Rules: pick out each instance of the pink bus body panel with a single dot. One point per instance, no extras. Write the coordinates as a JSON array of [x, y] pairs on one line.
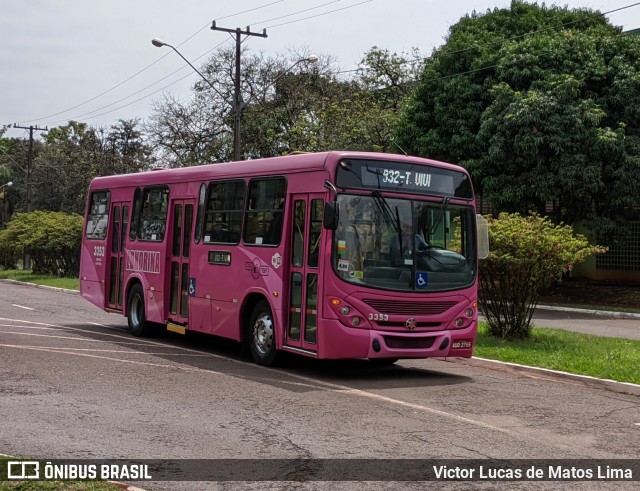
[[217, 304]]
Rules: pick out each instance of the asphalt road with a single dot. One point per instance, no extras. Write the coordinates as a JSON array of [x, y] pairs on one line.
[[75, 384]]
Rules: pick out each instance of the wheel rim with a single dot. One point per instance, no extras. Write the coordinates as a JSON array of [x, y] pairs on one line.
[[137, 310], [263, 333]]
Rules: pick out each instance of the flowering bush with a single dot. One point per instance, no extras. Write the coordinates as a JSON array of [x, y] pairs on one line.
[[527, 255]]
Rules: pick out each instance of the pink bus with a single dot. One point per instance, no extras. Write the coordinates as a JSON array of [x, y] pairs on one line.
[[328, 255]]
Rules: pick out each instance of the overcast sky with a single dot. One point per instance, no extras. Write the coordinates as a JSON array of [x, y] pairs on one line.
[[92, 60]]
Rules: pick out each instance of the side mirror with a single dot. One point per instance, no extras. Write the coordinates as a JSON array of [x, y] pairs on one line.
[[331, 215], [483, 236]]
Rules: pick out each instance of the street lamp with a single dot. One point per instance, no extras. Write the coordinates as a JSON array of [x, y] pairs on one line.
[[238, 105], [159, 43], [313, 59]]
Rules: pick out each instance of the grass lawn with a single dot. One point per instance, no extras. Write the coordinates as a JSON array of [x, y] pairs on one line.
[[556, 349], [20, 275]]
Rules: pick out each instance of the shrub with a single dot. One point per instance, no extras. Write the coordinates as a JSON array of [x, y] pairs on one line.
[[527, 255], [52, 239], [8, 254]]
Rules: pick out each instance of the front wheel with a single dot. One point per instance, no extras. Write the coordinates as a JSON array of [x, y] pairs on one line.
[[136, 316], [262, 334]]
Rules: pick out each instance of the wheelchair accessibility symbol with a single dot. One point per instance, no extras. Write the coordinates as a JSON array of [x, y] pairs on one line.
[[422, 279], [192, 287]]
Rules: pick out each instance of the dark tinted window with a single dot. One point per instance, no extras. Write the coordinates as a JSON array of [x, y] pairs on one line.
[[265, 208], [223, 220]]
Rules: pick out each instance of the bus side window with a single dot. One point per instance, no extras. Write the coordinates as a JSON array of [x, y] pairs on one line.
[[153, 219], [265, 211], [223, 220], [134, 225], [200, 216], [98, 216]]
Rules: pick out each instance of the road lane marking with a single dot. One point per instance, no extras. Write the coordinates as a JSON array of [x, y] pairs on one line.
[[29, 327], [88, 340], [21, 306], [29, 322], [159, 365], [327, 385], [340, 389]]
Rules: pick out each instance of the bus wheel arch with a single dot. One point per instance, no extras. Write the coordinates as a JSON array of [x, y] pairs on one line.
[[259, 330]]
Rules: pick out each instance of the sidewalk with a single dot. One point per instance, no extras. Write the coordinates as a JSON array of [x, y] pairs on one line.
[[597, 322]]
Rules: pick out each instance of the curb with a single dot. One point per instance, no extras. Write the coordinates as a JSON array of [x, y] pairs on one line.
[[548, 374], [603, 313], [45, 287]]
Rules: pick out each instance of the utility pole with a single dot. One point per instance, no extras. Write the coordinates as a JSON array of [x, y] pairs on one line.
[[29, 158], [26, 262], [237, 96]]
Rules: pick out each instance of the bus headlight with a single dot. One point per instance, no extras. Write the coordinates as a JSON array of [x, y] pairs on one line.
[[345, 310], [355, 321]]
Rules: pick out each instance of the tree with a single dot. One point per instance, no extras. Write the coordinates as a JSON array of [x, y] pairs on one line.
[[527, 255], [73, 154], [541, 105], [287, 106]]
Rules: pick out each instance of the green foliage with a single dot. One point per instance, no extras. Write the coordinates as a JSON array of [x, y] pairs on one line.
[[9, 254], [51, 238], [288, 106], [527, 255], [573, 352], [75, 153], [541, 104]]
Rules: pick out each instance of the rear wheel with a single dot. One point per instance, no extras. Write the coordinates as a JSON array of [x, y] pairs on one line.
[[136, 315], [262, 335]]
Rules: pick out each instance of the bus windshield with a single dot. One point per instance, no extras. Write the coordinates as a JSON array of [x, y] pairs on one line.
[[404, 244]]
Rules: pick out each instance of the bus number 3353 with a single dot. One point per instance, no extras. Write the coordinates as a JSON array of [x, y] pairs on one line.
[[378, 317]]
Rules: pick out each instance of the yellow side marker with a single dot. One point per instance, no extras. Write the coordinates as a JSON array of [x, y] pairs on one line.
[[176, 328]]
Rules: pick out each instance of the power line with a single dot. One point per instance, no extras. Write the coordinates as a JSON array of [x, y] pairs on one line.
[[141, 90], [296, 13], [319, 15], [162, 57], [278, 25], [149, 65]]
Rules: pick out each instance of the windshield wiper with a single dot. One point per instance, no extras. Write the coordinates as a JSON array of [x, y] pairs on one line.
[[443, 208], [387, 212], [389, 217]]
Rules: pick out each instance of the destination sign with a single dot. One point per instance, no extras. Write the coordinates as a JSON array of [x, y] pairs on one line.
[[220, 257], [403, 177]]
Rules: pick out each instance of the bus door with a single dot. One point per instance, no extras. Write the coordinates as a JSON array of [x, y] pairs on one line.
[[115, 264], [306, 236], [181, 225]]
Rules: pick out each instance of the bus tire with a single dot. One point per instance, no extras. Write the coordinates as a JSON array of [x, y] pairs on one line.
[[262, 334], [136, 315]]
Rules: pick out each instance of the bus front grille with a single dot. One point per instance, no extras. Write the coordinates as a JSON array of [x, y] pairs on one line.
[[398, 342], [394, 307]]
